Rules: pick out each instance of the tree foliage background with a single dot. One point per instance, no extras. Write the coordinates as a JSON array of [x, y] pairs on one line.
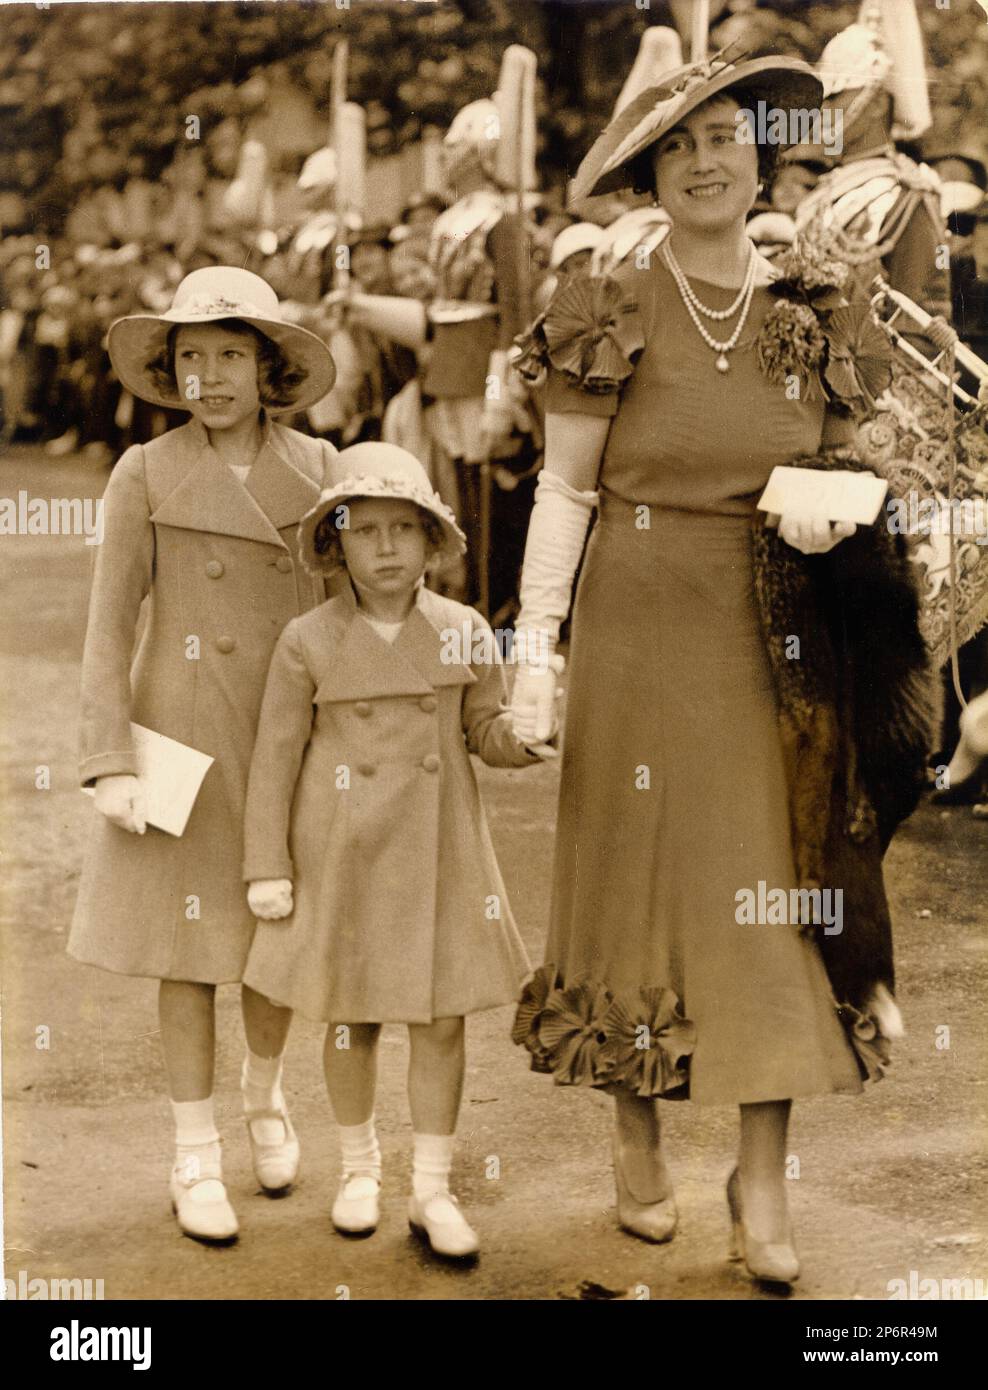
[[97, 94]]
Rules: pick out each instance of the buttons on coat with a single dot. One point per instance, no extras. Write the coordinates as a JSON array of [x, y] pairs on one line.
[[431, 762], [225, 644], [428, 704], [214, 569], [362, 708], [283, 564], [366, 769]]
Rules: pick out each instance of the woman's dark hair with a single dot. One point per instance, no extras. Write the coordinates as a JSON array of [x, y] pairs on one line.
[[643, 175], [278, 379], [326, 537]]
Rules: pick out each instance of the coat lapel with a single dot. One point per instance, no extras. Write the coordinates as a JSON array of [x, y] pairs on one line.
[[283, 494], [210, 497], [366, 666]]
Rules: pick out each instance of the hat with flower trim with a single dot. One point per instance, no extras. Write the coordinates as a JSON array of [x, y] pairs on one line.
[[786, 83], [210, 295], [374, 470]]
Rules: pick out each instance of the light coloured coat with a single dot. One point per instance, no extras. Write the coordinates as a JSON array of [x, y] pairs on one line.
[[362, 792], [214, 563]]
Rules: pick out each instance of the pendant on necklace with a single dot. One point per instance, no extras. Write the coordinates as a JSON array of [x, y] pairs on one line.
[[722, 363]]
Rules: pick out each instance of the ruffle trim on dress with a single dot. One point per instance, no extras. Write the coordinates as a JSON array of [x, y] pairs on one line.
[[590, 331], [582, 1034]]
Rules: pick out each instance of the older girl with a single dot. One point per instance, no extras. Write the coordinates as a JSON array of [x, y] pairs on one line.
[[199, 533]]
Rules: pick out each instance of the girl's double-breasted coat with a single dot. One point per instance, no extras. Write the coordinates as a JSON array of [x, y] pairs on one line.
[[215, 563], [362, 792]]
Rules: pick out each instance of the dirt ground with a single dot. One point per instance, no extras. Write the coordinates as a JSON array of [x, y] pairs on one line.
[[891, 1182]]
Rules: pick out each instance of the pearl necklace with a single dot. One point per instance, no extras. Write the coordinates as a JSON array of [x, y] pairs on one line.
[[695, 307]]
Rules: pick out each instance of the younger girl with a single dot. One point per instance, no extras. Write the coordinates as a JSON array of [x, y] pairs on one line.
[[363, 803], [201, 523]]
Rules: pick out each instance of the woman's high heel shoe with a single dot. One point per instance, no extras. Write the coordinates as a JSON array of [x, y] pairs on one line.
[[773, 1263], [654, 1221]]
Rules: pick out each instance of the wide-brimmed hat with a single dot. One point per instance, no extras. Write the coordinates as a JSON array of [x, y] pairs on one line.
[[210, 295], [787, 83], [374, 470]]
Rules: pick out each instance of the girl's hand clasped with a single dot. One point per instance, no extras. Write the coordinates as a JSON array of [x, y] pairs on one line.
[[270, 899], [121, 799]]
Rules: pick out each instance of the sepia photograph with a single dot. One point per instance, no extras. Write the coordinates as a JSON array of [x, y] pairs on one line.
[[494, 703]]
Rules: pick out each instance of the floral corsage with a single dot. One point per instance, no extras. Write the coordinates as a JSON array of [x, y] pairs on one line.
[[812, 333], [590, 332]]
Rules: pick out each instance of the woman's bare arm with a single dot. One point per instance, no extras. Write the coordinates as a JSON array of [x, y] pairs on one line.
[[574, 447]]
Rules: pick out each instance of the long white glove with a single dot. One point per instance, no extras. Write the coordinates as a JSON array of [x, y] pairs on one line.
[[556, 533]]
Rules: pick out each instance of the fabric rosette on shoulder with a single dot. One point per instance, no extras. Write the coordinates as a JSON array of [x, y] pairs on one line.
[[590, 331], [583, 1034]]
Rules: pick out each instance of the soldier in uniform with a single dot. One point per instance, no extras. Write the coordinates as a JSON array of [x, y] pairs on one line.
[[879, 210], [474, 413]]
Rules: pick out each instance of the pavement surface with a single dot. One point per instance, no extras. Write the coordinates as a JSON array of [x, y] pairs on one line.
[[891, 1182]]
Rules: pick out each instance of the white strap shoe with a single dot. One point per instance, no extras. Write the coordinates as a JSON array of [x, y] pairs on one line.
[[439, 1221], [275, 1159], [356, 1210], [200, 1203]]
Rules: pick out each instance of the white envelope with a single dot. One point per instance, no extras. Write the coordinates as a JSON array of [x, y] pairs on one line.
[[171, 774], [812, 492]]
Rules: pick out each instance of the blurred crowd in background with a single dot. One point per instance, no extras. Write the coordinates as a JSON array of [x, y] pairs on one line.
[[130, 139]]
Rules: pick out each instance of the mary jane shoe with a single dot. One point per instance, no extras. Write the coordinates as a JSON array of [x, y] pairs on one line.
[[356, 1210], [275, 1162], [200, 1203], [439, 1221]]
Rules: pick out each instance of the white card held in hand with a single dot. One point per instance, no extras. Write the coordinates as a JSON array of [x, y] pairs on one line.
[[816, 493], [171, 774]]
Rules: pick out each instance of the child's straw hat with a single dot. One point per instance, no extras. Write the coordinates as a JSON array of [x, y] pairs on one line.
[[375, 470], [210, 295]]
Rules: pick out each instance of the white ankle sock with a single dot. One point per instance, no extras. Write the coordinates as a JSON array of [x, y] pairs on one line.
[[432, 1158], [360, 1150], [197, 1147], [195, 1123], [260, 1082]]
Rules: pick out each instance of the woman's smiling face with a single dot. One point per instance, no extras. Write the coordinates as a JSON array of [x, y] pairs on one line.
[[222, 364], [705, 178]]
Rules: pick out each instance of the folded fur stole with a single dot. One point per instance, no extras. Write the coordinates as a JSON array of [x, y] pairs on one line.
[[858, 714]]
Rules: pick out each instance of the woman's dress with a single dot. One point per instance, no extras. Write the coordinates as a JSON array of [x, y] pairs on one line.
[[673, 797]]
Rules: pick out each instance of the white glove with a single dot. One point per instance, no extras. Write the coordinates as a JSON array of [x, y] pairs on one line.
[[812, 535], [534, 697], [121, 799], [556, 533], [270, 898]]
